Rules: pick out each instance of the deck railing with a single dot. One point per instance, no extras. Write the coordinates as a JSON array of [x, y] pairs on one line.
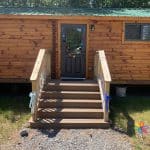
[[103, 77], [42, 68]]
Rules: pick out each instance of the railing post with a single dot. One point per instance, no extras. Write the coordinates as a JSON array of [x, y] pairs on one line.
[[107, 95], [35, 89], [101, 72], [41, 70]]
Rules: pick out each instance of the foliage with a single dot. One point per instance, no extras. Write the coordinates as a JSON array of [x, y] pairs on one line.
[[77, 3]]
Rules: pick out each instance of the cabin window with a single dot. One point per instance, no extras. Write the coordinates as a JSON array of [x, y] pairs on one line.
[[137, 32]]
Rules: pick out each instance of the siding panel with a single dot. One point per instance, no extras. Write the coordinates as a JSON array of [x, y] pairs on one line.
[[20, 41], [128, 61]]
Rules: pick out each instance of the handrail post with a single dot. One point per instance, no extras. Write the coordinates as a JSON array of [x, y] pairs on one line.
[[101, 72], [34, 89], [107, 92], [42, 68]]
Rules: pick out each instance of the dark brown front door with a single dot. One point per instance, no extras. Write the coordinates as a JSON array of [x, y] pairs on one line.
[[73, 51]]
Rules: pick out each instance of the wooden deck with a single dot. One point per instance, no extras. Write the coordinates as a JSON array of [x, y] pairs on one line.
[[60, 100]]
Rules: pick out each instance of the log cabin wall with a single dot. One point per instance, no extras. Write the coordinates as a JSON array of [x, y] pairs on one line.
[[128, 61], [20, 41]]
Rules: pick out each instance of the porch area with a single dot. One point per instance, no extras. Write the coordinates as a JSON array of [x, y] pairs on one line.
[[69, 104]]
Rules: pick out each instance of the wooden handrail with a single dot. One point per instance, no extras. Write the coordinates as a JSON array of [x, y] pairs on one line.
[[38, 64], [40, 71], [102, 74], [104, 65]]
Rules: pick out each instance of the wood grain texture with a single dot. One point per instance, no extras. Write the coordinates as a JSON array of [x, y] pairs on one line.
[[21, 37], [20, 42], [128, 61]]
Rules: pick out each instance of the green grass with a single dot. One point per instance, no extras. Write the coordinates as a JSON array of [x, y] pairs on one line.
[[126, 112], [14, 112]]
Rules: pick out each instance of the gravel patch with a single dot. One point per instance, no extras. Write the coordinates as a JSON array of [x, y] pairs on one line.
[[72, 139]]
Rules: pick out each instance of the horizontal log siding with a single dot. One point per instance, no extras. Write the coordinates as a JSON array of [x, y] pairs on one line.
[[20, 41], [127, 60]]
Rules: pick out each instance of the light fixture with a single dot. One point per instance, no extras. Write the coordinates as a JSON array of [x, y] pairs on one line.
[[92, 27]]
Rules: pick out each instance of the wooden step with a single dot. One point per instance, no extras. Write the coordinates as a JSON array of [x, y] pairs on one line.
[[69, 103], [70, 95], [61, 82], [72, 86], [69, 123], [69, 113]]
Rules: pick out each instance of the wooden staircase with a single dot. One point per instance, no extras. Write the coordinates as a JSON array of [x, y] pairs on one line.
[[70, 104]]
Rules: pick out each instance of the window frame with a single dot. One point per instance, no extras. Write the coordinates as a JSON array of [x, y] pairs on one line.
[[125, 40]]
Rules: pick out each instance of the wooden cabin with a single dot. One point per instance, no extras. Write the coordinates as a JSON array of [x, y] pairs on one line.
[[37, 44]]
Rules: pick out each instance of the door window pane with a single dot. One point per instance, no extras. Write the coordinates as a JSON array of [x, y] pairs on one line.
[[73, 40]]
